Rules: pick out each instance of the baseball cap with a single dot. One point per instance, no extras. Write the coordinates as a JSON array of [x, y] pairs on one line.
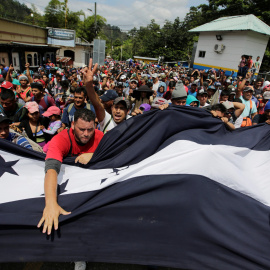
[[246, 89], [3, 118], [31, 106], [266, 95], [228, 105], [159, 101], [267, 106], [7, 85], [51, 111], [109, 95], [145, 107], [123, 77], [212, 87], [232, 91], [202, 91], [123, 100]]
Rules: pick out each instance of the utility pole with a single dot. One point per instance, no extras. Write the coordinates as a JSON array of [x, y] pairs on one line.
[[95, 17], [66, 1]]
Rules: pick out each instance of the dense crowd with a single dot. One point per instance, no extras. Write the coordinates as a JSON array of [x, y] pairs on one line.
[[41, 104], [65, 111]]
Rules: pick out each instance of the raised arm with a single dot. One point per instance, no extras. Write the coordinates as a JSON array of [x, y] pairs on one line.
[[11, 69], [88, 73], [30, 79], [239, 108], [242, 85]]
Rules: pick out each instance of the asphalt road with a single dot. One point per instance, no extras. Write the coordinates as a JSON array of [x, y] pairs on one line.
[[70, 266]]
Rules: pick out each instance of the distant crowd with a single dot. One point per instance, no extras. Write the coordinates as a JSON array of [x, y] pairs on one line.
[[40, 104], [66, 112]]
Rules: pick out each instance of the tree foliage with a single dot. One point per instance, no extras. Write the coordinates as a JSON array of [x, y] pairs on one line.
[[14, 10]]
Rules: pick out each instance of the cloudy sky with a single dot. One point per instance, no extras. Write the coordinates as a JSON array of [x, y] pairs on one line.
[[127, 14]]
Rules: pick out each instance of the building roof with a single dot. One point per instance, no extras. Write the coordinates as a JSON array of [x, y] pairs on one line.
[[235, 23], [145, 58]]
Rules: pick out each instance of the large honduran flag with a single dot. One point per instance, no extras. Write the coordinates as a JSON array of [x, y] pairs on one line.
[[171, 188]]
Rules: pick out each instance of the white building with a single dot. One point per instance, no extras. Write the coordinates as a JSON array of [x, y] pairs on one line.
[[222, 42], [80, 54]]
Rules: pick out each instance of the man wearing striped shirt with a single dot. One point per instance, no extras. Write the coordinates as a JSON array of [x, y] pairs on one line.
[[10, 136]]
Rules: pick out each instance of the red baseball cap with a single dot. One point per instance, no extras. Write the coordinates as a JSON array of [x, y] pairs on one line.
[[42, 82], [7, 85], [51, 111]]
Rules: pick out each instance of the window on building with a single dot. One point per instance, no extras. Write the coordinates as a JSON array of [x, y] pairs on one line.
[[35, 60], [29, 59], [14, 61], [202, 54]]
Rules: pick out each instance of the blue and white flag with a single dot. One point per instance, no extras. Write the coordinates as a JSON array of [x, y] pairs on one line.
[[170, 188]]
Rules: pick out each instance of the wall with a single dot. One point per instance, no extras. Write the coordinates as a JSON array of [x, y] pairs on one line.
[[20, 32], [236, 44], [81, 54]]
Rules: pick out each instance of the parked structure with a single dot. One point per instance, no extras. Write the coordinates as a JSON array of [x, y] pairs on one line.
[[222, 42]]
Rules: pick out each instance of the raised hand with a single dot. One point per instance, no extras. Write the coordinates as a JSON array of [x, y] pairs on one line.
[[88, 72]]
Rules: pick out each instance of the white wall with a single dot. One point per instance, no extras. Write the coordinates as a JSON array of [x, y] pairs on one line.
[[237, 43], [80, 52]]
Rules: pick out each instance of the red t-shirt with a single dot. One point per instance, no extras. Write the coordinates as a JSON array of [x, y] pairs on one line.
[[60, 145], [43, 103]]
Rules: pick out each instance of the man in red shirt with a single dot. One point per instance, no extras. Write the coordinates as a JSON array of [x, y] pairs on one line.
[[80, 140], [43, 100]]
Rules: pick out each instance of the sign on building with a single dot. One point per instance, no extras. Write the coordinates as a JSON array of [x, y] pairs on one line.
[[61, 37], [99, 51]]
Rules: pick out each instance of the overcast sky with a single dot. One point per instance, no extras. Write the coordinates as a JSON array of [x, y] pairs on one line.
[[131, 13]]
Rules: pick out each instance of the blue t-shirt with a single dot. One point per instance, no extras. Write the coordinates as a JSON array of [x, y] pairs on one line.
[[247, 111], [67, 118], [192, 94]]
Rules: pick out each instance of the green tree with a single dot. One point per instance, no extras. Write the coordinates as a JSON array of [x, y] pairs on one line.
[[87, 29], [54, 14], [14, 10]]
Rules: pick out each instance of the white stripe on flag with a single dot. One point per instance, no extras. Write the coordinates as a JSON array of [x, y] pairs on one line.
[[241, 169]]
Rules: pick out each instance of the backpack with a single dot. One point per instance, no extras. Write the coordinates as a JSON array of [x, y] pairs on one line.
[[72, 104], [247, 122]]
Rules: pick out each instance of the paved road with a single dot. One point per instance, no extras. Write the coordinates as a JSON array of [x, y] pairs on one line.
[[70, 266]]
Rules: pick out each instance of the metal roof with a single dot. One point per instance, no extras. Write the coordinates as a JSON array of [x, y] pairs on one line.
[[235, 23]]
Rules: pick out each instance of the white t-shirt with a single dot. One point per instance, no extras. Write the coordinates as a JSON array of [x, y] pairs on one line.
[[108, 123], [155, 86]]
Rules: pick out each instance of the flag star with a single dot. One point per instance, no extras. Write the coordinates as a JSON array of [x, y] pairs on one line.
[[103, 180], [7, 166], [62, 188], [116, 171]]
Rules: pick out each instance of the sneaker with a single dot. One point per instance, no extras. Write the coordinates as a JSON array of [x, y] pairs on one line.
[[80, 266]]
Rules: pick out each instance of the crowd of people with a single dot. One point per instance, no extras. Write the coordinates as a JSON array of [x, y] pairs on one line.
[[66, 112]]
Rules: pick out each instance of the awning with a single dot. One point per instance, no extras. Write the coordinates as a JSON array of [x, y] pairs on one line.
[[62, 59], [29, 44]]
